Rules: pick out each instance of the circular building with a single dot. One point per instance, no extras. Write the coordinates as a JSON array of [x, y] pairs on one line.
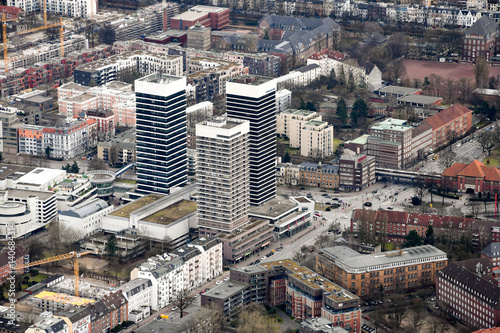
[[103, 181]]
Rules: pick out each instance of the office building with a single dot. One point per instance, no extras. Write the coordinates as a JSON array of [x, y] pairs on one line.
[[253, 98], [222, 174], [161, 133], [357, 171]]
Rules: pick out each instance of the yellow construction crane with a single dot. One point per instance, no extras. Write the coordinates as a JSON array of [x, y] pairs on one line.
[[71, 255], [45, 26]]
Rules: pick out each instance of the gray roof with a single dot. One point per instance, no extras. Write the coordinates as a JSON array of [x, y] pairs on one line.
[[225, 290], [306, 68], [86, 208], [422, 99], [355, 260], [133, 287], [483, 27], [398, 90], [492, 250], [329, 168]]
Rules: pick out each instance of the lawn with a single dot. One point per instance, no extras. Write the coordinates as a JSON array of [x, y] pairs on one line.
[[437, 204], [127, 181], [38, 277], [494, 158], [336, 143]]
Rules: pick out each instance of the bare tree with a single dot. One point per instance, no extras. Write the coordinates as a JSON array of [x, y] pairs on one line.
[[447, 158], [488, 141], [97, 164], [113, 154], [418, 316], [398, 313], [182, 301], [481, 72], [253, 320]]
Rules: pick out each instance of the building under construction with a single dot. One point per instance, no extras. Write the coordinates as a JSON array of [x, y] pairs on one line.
[[146, 21]]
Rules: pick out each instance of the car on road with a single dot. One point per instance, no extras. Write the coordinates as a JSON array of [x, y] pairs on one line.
[[367, 318], [325, 194], [329, 233], [324, 218], [270, 254], [344, 217], [335, 198], [317, 214], [389, 207], [368, 204], [226, 279], [174, 308], [264, 257], [218, 282], [374, 191], [208, 289], [197, 295]]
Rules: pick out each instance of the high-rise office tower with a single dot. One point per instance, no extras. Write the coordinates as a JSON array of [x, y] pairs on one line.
[[253, 98], [222, 174], [161, 133]]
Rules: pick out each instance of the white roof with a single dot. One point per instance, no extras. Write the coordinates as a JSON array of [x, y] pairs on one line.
[[40, 176]]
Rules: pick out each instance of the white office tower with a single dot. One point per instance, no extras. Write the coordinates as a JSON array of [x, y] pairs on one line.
[[253, 98], [222, 174], [161, 133]]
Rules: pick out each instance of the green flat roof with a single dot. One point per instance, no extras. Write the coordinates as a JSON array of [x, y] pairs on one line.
[[172, 213], [135, 205]]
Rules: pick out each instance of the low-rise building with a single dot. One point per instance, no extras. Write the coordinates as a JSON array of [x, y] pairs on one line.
[[449, 124], [138, 293], [391, 271], [86, 218], [475, 176], [119, 150], [319, 175]]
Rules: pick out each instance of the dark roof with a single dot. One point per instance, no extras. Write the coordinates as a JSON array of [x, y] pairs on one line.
[[483, 27], [492, 250], [459, 276], [17, 327], [306, 68], [79, 315], [375, 38]]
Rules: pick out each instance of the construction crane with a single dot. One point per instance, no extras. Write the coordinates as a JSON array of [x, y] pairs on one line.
[[5, 46], [71, 255], [44, 27]]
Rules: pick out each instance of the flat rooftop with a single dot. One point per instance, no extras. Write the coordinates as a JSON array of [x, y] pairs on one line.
[[15, 193], [189, 15], [421, 99], [126, 210], [392, 124], [12, 171], [304, 113], [172, 213], [274, 208], [254, 80], [160, 78], [64, 298], [40, 176], [399, 90], [226, 289], [315, 123]]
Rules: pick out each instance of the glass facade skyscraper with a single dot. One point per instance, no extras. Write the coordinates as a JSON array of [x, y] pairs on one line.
[[161, 133]]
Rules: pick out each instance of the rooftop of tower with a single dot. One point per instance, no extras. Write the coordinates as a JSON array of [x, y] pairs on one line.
[[160, 78], [254, 80]]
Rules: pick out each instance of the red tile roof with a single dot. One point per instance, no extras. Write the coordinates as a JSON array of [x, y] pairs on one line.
[[475, 169], [447, 115], [454, 170], [11, 10]]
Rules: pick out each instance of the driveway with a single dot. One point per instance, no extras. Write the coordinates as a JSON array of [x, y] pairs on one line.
[[287, 322]]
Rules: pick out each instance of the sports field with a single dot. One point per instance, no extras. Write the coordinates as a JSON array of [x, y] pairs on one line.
[[420, 69]]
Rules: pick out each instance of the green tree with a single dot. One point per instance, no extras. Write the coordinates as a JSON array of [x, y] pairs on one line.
[[482, 72], [354, 118], [74, 168], [266, 35], [429, 235], [287, 158], [342, 111], [111, 247], [413, 239], [67, 167], [360, 107], [1, 157], [302, 104], [48, 149], [310, 106]]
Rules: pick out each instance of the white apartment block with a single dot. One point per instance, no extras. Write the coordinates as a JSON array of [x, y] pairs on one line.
[[86, 218], [43, 52], [138, 293], [66, 141], [290, 123], [283, 100], [316, 139], [69, 8], [199, 112], [187, 268]]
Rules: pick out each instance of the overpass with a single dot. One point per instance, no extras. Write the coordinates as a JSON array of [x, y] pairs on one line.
[[397, 174], [125, 168]]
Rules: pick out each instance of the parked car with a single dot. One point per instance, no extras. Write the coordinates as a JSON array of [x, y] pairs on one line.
[[174, 308], [218, 282], [226, 279], [389, 207], [344, 217], [264, 257], [368, 204]]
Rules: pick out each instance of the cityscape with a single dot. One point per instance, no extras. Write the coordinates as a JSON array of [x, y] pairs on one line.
[[319, 166]]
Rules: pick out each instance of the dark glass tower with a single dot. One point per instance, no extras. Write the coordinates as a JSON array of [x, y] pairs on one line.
[[253, 98], [161, 133]]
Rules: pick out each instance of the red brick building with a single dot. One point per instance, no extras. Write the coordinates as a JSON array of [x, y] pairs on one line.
[[108, 312], [214, 17], [474, 176], [468, 290], [454, 121], [479, 40], [11, 12], [393, 226]]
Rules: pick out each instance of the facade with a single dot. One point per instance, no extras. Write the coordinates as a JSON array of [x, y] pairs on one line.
[[108, 312], [480, 40], [393, 226], [214, 17], [319, 175], [364, 274], [356, 171], [391, 143], [161, 133], [198, 37], [492, 251], [253, 98], [475, 177], [105, 121], [222, 174], [138, 293], [450, 123], [20, 256], [81, 8], [8, 131], [119, 150], [85, 218], [198, 113], [316, 139], [290, 123], [283, 100], [468, 290]]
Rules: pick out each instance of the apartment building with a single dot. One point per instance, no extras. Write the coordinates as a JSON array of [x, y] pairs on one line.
[[316, 139], [20, 257], [119, 150], [216, 18], [108, 312], [319, 175], [393, 226], [70, 8], [290, 123], [186, 268], [452, 122], [480, 40], [492, 251], [469, 291], [356, 171], [364, 274], [124, 66], [198, 37], [8, 131], [283, 100], [66, 141], [105, 120]]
